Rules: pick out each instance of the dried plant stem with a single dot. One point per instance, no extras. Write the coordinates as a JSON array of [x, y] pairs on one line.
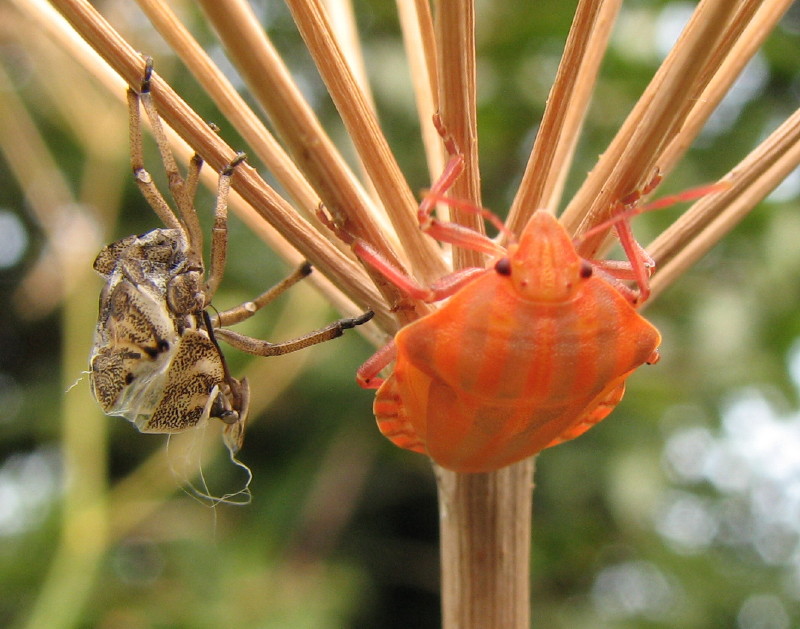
[[347, 275], [455, 42], [343, 25], [550, 159], [629, 162], [362, 125], [420, 46], [752, 25], [485, 547], [700, 228], [231, 104], [270, 82]]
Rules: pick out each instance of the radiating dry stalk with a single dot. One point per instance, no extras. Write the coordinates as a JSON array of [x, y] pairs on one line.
[[419, 39], [259, 139], [347, 276], [270, 82], [367, 137], [543, 181], [455, 42], [485, 518], [629, 163], [711, 218], [748, 30]]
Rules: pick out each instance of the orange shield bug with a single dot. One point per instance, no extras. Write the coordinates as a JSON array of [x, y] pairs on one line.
[[156, 360], [524, 354], [531, 352]]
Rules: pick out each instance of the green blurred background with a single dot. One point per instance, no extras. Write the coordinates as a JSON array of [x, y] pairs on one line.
[[681, 510]]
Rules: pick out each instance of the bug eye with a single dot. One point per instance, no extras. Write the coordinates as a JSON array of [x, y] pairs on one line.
[[503, 266], [586, 269], [129, 377]]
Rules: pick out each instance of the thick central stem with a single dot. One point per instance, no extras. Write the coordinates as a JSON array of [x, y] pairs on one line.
[[485, 530]]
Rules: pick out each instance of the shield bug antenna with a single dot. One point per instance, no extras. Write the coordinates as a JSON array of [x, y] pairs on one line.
[[156, 359]]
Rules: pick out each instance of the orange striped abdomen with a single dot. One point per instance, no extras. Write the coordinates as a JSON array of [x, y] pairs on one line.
[[490, 379]]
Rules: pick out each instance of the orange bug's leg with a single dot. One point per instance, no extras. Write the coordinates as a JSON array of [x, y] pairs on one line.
[[641, 262], [440, 289], [454, 233], [615, 272], [451, 172], [340, 232], [461, 236], [367, 374]]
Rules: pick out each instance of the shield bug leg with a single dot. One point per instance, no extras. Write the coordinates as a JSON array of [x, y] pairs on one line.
[[453, 233], [249, 308], [442, 288], [143, 179], [367, 374], [219, 233], [259, 347], [182, 194], [639, 266]]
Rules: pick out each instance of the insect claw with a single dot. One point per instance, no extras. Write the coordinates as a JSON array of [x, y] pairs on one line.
[[359, 320], [240, 157], [148, 74], [327, 219], [305, 269]]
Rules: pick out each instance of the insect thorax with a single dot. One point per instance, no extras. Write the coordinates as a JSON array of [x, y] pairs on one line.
[[154, 360]]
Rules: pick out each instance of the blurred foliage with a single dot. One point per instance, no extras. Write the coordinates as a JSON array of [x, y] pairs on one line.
[[681, 510]]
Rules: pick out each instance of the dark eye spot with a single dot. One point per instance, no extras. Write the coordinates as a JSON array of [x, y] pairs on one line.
[[163, 345], [129, 377], [152, 352], [586, 269], [503, 266]]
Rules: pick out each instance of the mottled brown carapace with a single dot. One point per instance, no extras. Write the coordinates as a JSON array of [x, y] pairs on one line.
[[156, 360]]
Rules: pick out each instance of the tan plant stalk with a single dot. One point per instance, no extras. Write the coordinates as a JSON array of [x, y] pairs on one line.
[[367, 137], [270, 82], [711, 218], [419, 40], [128, 63], [259, 139], [569, 98], [629, 163], [748, 30], [455, 41]]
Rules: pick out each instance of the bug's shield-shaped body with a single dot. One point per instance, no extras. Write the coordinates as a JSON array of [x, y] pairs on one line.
[[523, 357], [155, 361]]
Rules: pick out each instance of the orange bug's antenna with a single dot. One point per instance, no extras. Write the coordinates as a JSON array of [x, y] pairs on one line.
[[659, 204], [466, 206], [641, 265]]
